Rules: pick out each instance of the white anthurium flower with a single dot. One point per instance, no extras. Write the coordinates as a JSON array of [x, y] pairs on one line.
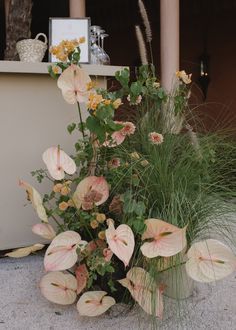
[[94, 303], [73, 83], [36, 200], [44, 230], [58, 163], [25, 251], [59, 288], [209, 261], [61, 253], [164, 239]]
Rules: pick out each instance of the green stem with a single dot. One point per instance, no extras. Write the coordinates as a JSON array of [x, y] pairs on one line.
[[81, 121]]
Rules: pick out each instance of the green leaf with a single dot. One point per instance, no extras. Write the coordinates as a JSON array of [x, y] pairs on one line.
[[136, 88], [71, 127], [76, 57], [123, 77], [94, 125], [140, 208]]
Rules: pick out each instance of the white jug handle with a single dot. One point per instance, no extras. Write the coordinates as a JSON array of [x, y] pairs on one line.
[[43, 35]]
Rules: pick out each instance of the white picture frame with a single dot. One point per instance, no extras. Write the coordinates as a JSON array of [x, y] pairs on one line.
[[67, 29]]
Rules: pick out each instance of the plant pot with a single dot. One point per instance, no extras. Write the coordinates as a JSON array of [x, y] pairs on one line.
[[32, 50], [178, 284]]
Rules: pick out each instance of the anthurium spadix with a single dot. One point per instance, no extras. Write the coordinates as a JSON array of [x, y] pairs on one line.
[[25, 251], [73, 83], [44, 230], [91, 191], [61, 253], [58, 162], [164, 239], [210, 260], [94, 303], [120, 241], [144, 291], [36, 200], [59, 288]]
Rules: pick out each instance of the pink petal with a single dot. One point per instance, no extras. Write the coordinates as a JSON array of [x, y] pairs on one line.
[[168, 240], [59, 288], [121, 242], [35, 199], [91, 183], [94, 303], [44, 230], [58, 162], [82, 275], [61, 253], [210, 260]]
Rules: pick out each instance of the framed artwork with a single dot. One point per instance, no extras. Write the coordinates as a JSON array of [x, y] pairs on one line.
[[68, 29]]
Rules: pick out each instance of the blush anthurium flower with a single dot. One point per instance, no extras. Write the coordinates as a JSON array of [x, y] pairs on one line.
[[36, 200], [91, 191], [61, 253], [164, 239], [25, 251], [144, 291], [82, 276], [94, 303], [210, 260], [59, 288], [58, 162], [73, 83], [120, 241], [44, 230]]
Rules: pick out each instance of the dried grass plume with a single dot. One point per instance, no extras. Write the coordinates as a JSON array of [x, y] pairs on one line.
[[146, 22], [141, 45]]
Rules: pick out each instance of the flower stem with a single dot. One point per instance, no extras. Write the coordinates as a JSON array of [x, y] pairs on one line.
[[81, 121]]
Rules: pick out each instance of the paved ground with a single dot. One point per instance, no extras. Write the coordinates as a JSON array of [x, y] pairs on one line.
[[22, 307]]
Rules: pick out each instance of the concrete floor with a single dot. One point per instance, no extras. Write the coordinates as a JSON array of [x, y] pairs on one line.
[[22, 307]]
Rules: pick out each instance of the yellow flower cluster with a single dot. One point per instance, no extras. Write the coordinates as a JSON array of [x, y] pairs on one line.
[[182, 75], [95, 99], [65, 47]]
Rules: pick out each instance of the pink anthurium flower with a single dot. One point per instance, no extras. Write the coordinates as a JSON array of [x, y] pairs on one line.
[[36, 200], [166, 239], [61, 253], [82, 276], [25, 251], [144, 291], [58, 162], [91, 191], [59, 288], [73, 83], [44, 230], [210, 260], [120, 241], [94, 303]]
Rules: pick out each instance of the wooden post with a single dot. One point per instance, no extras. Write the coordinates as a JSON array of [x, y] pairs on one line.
[[18, 25], [169, 10], [77, 8]]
